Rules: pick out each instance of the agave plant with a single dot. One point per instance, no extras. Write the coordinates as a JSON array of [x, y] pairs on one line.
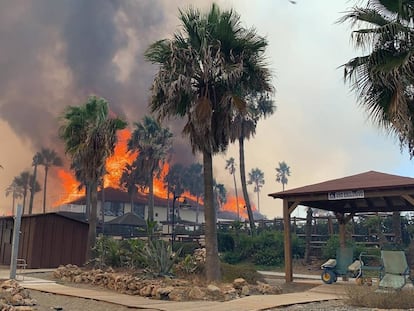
[[159, 257]]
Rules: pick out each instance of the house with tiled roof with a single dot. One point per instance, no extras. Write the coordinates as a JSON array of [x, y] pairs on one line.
[[118, 203]]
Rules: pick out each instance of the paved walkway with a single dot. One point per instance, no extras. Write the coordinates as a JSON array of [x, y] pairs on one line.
[[249, 303]]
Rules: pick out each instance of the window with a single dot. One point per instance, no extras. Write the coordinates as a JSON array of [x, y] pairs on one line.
[[114, 209], [139, 209]]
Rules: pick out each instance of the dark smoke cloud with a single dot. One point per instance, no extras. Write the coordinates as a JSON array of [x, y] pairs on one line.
[[56, 53]]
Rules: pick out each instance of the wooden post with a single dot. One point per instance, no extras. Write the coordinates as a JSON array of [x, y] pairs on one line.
[[288, 246], [330, 226], [15, 245]]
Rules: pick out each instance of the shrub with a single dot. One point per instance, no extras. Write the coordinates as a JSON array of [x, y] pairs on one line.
[[232, 257], [108, 253], [159, 257], [368, 297], [298, 247], [268, 257], [133, 249], [185, 248], [187, 266], [225, 242]]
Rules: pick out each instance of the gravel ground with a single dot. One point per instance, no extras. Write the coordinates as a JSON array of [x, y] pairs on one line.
[[47, 301]]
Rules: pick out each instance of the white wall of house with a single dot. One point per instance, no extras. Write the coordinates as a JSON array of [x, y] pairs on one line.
[[160, 212]]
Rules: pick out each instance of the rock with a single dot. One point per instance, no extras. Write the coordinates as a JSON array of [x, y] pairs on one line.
[[177, 294], [77, 279], [239, 283], [245, 290], [163, 292], [230, 294], [17, 300], [266, 289], [196, 293], [215, 292], [211, 288], [146, 291]]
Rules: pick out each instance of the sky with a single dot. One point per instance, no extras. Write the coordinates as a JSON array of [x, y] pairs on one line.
[[56, 53]]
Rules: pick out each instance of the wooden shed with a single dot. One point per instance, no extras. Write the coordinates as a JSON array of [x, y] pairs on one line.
[[46, 240]]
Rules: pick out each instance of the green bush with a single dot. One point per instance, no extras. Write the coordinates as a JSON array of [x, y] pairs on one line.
[[265, 248], [329, 250], [268, 257], [133, 249], [185, 248], [298, 247], [225, 242], [232, 257], [108, 253]]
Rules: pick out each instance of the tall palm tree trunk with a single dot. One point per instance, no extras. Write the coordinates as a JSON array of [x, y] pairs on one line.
[[258, 200], [13, 202], [24, 199], [237, 197], [244, 185], [103, 208], [93, 190], [212, 260], [44, 189], [151, 199], [32, 192], [197, 209]]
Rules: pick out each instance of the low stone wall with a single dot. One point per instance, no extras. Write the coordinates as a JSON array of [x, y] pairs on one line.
[[162, 288], [14, 297]]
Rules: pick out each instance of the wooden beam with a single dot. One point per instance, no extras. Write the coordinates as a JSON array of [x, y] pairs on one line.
[[293, 206], [408, 198], [287, 241], [367, 194]]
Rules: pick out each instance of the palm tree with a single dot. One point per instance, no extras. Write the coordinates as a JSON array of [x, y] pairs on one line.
[[48, 158], [175, 185], [244, 127], [153, 143], [129, 180], [256, 178], [193, 182], [383, 78], [204, 71], [220, 195], [35, 163], [23, 181], [231, 167], [90, 137], [282, 173], [16, 192]]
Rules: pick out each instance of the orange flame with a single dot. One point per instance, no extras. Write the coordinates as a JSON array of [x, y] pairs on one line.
[[116, 163], [231, 206], [114, 167]]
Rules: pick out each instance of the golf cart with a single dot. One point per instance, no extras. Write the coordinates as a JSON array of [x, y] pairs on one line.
[[342, 266]]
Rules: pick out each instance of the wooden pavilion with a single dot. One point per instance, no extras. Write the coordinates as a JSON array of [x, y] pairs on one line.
[[366, 192]]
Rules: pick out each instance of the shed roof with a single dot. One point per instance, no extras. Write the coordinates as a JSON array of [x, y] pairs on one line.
[[128, 219], [369, 191]]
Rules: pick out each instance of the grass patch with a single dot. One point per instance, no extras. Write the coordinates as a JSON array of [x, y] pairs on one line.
[[245, 271], [366, 296]]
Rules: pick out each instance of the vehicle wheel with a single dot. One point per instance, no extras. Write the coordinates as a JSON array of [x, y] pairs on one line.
[[328, 276]]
